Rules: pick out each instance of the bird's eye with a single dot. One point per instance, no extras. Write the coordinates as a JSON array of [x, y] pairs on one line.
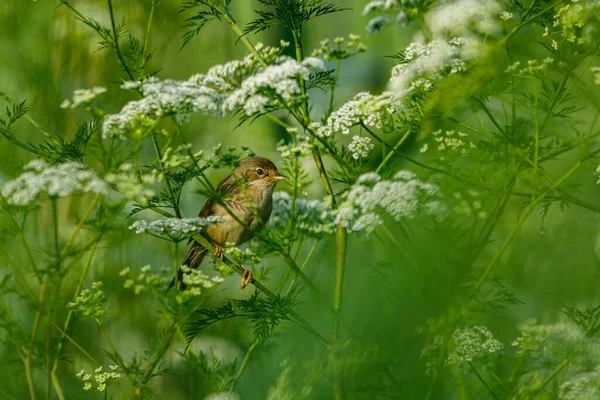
[[260, 171]]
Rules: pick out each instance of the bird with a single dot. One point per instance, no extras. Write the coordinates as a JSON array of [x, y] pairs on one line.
[[248, 194]]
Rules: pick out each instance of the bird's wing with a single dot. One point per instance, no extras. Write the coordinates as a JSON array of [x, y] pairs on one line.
[[226, 188]]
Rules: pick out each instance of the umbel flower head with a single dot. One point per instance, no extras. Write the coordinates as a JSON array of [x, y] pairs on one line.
[[83, 97], [371, 199], [312, 218], [373, 111], [241, 84], [176, 229], [102, 379], [57, 180], [90, 303]]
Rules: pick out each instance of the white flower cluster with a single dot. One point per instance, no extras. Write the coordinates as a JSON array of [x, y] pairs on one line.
[[223, 89], [598, 174], [145, 279], [240, 256], [372, 198], [57, 180], [360, 147], [373, 111], [506, 16], [176, 229], [101, 378], [534, 67], [131, 185], [579, 22], [467, 344], [377, 23], [312, 218], [424, 64], [449, 143], [179, 157], [196, 281], [379, 6], [340, 49], [279, 80], [470, 343], [464, 18], [585, 386], [83, 97], [90, 304], [549, 343], [302, 148]]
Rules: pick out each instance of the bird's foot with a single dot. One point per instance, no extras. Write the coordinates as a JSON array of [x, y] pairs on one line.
[[218, 254], [247, 277]]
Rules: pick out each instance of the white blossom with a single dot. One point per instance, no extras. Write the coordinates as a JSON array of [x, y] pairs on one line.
[[222, 90], [58, 180], [302, 148], [584, 386], [280, 79], [131, 185], [424, 64], [505, 16], [464, 18], [376, 24], [371, 110], [312, 218], [470, 343], [175, 228], [371, 199], [360, 147], [101, 378], [83, 97]]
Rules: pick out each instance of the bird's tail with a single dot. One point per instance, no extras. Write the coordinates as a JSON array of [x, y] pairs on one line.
[[192, 260]]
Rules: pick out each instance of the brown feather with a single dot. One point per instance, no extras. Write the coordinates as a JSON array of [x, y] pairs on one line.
[[258, 192]]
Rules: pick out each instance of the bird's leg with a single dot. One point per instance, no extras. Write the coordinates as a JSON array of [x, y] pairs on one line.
[[218, 254], [247, 277]]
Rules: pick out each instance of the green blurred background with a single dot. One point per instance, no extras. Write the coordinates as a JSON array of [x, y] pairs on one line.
[[45, 54]]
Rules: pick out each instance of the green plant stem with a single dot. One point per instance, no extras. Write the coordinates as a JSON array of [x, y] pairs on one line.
[[167, 180], [148, 26], [523, 218], [238, 269], [310, 253], [57, 387], [335, 80], [36, 322], [236, 28], [244, 363], [528, 20], [553, 375], [393, 151], [116, 39], [162, 349], [483, 381], [339, 281]]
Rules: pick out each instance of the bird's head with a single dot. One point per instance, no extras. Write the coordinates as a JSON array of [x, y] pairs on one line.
[[258, 171]]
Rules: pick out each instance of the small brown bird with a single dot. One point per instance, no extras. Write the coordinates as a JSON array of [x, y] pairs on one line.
[[248, 194]]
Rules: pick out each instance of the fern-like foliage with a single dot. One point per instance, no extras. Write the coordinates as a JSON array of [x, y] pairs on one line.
[[587, 320], [205, 11], [291, 14], [264, 314], [58, 149]]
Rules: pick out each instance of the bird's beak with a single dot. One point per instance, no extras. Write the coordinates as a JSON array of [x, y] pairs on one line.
[[278, 177]]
